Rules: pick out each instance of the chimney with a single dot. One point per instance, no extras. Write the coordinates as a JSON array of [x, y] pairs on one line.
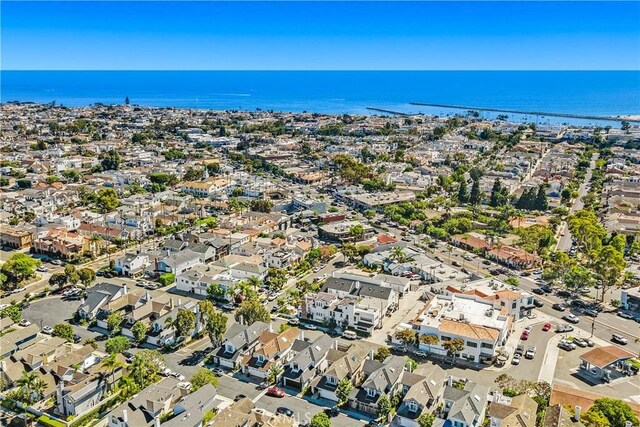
[[450, 381], [179, 302], [156, 421], [3, 365], [496, 396], [125, 417], [370, 354], [301, 334], [628, 424], [171, 303], [578, 410]]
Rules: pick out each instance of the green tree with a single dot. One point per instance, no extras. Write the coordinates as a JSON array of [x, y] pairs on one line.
[[193, 174], [475, 198], [71, 274], [13, 312], [276, 278], [541, 202], [185, 322], [64, 331], [112, 363], [111, 160], [144, 367], [426, 420], [215, 291], [356, 231], [381, 354], [118, 344], [139, 330], [274, 373], [215, 323], [407, 336], [616, 411], [608, 264], [202, 377], [384, 407], [113, 322], [87, 276], [251, 311], [429, 340], [107, 200], [499, 194], [343, 390], [463, 195], [19, 267], [513, 281], [578, 277], [594, 419], [398, 254], [166, 279], [320, 420], [58, 279]]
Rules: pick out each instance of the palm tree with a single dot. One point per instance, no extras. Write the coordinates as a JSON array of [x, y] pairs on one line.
[[26, 384], [255, 283], [93, 242], [274, 373], [127, 387], [169, 322], [112, 363], [397, 254], [37, 387]]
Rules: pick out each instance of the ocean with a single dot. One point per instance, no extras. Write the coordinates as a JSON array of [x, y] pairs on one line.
[[604, 93]]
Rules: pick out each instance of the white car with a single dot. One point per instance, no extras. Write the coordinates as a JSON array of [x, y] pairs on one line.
[[24, 322], [625, 315], [516, 359], [3, 306], [42, 269], [47, 330], [18, 290], [528, 329]]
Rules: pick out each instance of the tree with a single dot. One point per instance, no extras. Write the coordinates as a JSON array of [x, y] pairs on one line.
[[541, 202], [185, 322], [139, 330], [112, 363], [111, 160], [215, 291], [578, 277], [118, 344], [63, 330], [58, 279], [426, 420], [608, 264], [261, 205], [594, 419], [453, 346], [429, 340], [407, 336], [475, 198], [19, 267], [251, 311], [107, 200], [193, 174], [31, 386], [398, 254], [463, 195], [276, 278], [215, 323], [499, 194], [320, 420], [384, 407], [343, 390], [113, 322], [144, 367], [127, 101], [71, 274], [586, 228], [616, 411], [87, 276], [274, 373], [202, 377], [513, 281], [381, 354], [356, 231], [166, 279], [13, 312]]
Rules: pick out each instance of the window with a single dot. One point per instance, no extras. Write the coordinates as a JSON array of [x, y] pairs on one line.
[[371, 392], [472, 344], [332, 380], [486, 345], [413, 407], [513, 304]]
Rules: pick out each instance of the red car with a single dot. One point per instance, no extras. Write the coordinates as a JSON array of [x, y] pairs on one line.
[[524, 336], [546, 326], [275, 392]]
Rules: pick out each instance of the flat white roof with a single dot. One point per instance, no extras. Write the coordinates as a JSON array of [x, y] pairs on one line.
[[461, 308]]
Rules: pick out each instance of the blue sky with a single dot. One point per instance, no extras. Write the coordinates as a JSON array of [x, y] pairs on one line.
[[320, 35]]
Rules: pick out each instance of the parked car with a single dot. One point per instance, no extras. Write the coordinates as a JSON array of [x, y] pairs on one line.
[[524, 336], [531, 352], [24, 322], [580, 342], [218, 372], [42, 269], [486, 262], [625, 315], [619, 339], [528, 329], [334, 411], [578, 303], [47, 330], [566, 345], [239, 397], [420, 353], [538, 303], [456, 264], [350, 335], [282, 410], [515, 360], [275, 392], [590, 312], [559, 307], [537, 291], [294, 321], [519, 350], [228, 306], [571, 318], [56, 262], [262, 386], [546, 326], [564, 328], [563, 294]]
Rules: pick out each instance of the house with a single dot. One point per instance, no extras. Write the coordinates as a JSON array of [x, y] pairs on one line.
[[132, 264], [161, 333], [309, 360], [15, 340], [520, 412], [347, 365], [60, 242], [465, 407], [369, 293], [98, 296], [179, 262], [422, 395], [238, 340], [557, 416], [77, 397], [348, 312], [15, 238], [272, 349], [380, 379]]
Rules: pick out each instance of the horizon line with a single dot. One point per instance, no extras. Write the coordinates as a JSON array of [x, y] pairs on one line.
[[318, 70]]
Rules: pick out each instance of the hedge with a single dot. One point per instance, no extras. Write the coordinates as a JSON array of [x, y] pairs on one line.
[[48, 422]]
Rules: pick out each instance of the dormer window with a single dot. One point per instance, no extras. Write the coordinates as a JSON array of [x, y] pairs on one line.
[[371, 392], [332, 380], [413, 407]]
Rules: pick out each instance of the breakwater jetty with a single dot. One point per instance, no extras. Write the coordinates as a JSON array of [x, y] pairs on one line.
[[531, 113], [382, 110]]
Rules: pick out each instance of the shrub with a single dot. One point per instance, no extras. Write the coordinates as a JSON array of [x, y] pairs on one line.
[[167, 279], [49, 422]]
